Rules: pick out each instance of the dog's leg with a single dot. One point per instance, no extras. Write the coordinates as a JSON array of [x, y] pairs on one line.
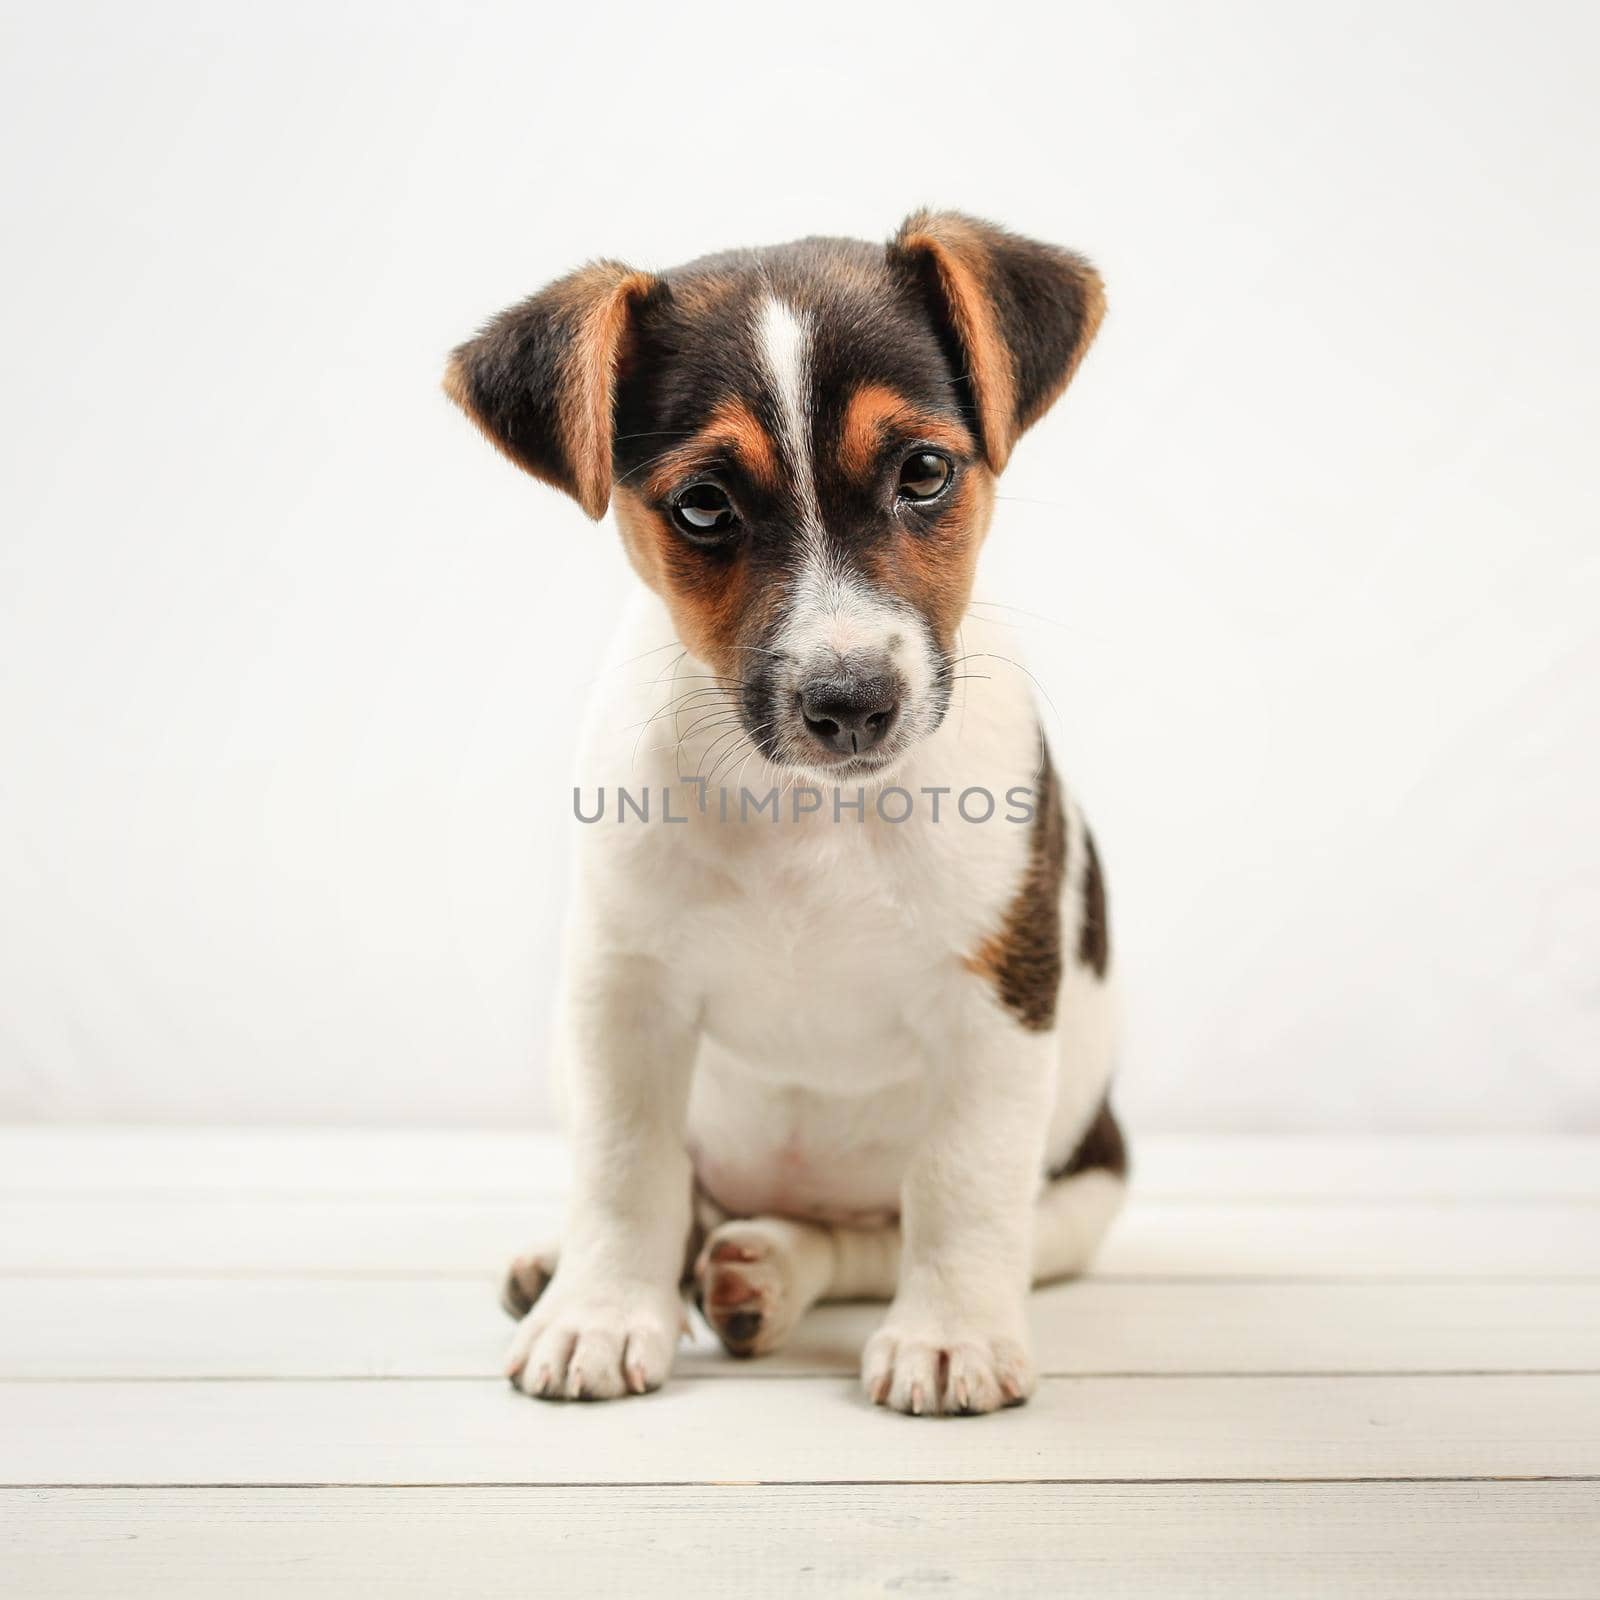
[[608, 1320], [1080, 1200], [956, 1336], [529, 1276], [756, 1278], [1071, 1220]]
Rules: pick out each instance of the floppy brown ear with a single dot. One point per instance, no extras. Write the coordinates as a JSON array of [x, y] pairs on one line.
[[540, 380], [1020, 315]]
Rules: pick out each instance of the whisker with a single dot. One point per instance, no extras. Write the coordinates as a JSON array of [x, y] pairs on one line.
[[672, 670], [655, 749], [981, 655], [708, 677], [738, 782], [752, 736], [617, 666], [1021, 611], [676, 704], [1028, 500], [961, 725], [671, 708], [730, 732], [727, 715], [644, 465], [727, 761]]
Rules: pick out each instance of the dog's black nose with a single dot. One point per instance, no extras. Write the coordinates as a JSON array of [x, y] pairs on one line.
[[849, 715]]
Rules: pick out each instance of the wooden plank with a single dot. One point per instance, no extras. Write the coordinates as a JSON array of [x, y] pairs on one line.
[[1317, 1167], [531, 1163], [1315, 1239], [295, 1162], [253, 1237], [432, 1328], [795, 1430], [1192, 1239], [1534, 1541]]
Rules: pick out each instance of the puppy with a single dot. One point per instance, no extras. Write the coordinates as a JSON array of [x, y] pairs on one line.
[[828, 1030]]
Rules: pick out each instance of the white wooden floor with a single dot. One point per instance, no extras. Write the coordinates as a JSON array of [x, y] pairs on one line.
[[242, 1363]]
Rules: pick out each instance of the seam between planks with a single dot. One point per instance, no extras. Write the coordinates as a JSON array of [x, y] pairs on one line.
[[35, 1194], [818, 1375], [807, 1483], [492, 1276]]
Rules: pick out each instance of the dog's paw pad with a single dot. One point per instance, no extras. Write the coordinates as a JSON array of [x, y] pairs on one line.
[[744, 1286]]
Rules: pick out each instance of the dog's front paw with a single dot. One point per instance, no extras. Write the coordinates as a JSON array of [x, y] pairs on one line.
[[926, 1367], [595, 1344]]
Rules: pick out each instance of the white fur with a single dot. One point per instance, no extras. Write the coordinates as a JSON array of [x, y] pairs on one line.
[[786, 1007], [784, 338]]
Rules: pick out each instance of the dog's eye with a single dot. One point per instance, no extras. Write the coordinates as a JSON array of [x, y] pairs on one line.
[[704, 512], [923, 475]]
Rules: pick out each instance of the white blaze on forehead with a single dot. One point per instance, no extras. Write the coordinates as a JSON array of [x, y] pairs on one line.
[[784, 338], [833, 614], [783, 335]]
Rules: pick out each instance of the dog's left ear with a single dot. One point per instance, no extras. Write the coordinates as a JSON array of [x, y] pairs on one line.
[[540, 380], [1020, 315]]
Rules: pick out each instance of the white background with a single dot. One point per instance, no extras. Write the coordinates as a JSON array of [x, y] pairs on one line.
[[290, 662]]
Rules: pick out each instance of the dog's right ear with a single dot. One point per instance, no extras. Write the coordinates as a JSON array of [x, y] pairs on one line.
[[540, 380]]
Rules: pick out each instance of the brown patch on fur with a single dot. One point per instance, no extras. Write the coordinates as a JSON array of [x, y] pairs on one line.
[[709, 597], [704, 295], [934, 573], [960, 257], [588, 399], [1101, 1149], [1094, 934], [458, 388], [874, 412], [733, 428], [1023, 960]]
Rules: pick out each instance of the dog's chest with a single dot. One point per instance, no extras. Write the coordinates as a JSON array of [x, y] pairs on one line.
[[817, 952], [808, 1091]]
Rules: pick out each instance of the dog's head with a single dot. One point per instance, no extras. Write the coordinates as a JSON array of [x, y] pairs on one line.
[[802, 444]]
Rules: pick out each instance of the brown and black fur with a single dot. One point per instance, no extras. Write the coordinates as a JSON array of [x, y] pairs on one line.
[[1101, 1149], [1023, 959], [956, 335]]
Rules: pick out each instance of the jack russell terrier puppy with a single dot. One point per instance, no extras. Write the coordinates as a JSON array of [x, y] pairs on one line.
[[853, 1040]]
